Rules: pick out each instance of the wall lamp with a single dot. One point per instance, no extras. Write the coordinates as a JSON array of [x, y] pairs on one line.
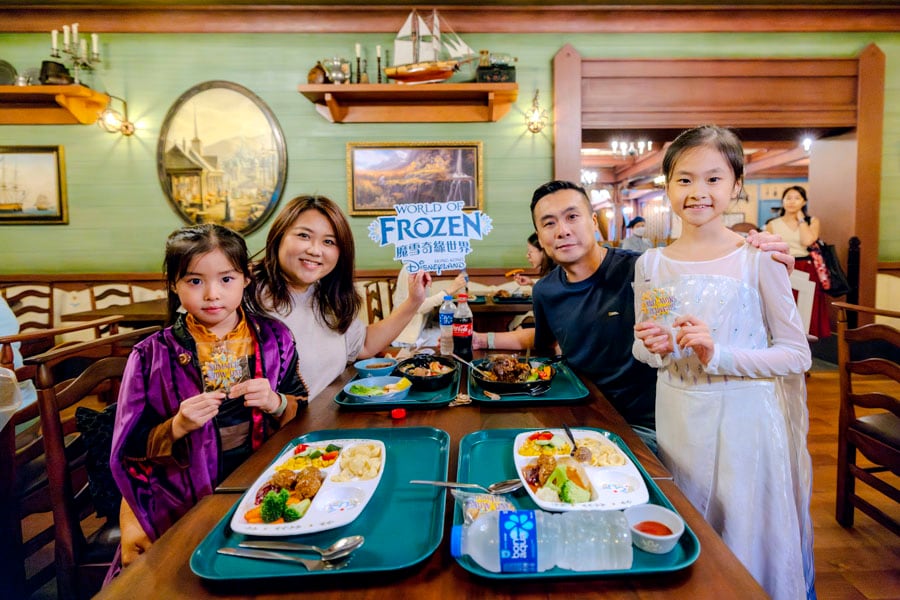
[[113, 121], [535, 117]]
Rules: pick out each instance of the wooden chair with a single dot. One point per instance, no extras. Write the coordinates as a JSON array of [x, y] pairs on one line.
[[104, 296], [47, 339], [377, 307], [33, 307], [81, 560], [24, 487], [869, 421]]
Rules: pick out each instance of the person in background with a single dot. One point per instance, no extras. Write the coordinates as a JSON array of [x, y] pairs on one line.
[[585, 308], [417, 331], [636, 241], [718, 321], [537, 258], [178, 432], [9, 325], [799, 230], [305, 279]]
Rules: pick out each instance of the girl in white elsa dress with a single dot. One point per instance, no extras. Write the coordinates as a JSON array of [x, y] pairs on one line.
[[718, 318]]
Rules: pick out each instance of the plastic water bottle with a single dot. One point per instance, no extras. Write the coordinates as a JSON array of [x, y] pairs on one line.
[[445, 315], [463, 329], [534, 541]]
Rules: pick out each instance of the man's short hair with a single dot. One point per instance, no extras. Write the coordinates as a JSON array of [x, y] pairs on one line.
[[551, 187]]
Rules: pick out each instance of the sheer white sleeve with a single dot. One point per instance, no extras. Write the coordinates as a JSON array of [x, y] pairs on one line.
[[788, 350]]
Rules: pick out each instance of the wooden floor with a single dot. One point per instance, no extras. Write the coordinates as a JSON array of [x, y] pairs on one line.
[[851, 564]]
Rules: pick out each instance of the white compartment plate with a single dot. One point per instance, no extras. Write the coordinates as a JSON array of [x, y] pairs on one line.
[[614, 487], [335, 505]]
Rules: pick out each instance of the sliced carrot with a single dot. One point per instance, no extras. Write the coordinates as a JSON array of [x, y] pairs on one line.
[[254, 513]]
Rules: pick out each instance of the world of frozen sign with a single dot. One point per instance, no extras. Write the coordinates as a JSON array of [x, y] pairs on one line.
[[432, 236]]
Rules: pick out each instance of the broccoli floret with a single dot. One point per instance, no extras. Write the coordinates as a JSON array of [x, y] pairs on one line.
[[296, 510], [273, 505], [557, 478], [291, 514], [573, 494]]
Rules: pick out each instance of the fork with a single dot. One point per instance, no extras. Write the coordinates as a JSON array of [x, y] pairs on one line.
[[311, 565], [536, 390]]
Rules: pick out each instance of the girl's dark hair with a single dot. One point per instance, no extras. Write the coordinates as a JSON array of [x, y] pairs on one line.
[[546, 262], [185, 244], [551, 187], [722, 139], [802, 191], [336, 299]]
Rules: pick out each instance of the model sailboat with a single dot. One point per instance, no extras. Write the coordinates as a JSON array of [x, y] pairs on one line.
[[426, 50]]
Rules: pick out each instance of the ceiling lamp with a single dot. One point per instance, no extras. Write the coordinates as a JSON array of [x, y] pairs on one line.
[[626, 149], [588, 177], [113, 121]]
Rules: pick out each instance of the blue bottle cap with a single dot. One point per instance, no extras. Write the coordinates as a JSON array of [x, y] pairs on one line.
[[456, 541]]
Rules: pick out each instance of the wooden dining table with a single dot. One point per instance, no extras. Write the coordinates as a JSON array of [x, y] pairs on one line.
[[164, 571]]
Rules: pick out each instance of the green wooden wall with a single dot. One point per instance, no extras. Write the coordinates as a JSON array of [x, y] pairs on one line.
[[119, 217]]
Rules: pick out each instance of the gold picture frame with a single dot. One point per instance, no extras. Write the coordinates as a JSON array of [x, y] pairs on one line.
[[382, 174], [221, 157], [33, 186]]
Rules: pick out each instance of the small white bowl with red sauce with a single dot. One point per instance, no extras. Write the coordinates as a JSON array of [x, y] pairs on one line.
[[654, 528]]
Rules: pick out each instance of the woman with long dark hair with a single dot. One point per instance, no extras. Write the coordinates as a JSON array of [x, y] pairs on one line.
[[305, 279]]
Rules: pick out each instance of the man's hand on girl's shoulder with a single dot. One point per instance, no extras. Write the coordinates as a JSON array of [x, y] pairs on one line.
[[770, 242]]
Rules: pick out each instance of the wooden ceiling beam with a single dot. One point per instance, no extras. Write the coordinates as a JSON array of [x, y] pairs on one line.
[[154, 17]]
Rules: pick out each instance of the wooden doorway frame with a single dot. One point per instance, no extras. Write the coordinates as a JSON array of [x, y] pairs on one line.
[[761, 93]]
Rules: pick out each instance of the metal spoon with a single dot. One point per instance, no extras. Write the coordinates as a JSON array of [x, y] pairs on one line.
[[501, 487], [339, 549], [471, 366]]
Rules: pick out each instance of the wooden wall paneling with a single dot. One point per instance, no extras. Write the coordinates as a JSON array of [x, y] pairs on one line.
[[567, 117]]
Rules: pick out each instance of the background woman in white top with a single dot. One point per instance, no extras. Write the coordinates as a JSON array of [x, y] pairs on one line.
[[306, 280], [799, 230], [415, 332]]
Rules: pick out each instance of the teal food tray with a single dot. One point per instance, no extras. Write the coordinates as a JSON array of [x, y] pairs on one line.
[[411, 453], [566, 386], [415, 399], [487, 456], [511, 299], [477, 299]]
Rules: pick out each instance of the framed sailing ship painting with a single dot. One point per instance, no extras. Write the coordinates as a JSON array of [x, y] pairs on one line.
[[221, 157], [33, 186], [381, 175]]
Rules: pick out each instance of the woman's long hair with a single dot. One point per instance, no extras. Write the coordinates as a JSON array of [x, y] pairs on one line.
[[185, 244], [546, 262], [800, 190], [336, 299]]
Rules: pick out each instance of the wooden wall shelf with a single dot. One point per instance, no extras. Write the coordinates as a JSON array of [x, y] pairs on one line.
[[424, 103], [50, 105]]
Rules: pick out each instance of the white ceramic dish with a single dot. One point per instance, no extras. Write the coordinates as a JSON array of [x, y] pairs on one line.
[[613, 487], [648, 542], [336, 504]]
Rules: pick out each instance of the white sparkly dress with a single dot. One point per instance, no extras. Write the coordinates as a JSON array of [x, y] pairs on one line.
[[733, 433]]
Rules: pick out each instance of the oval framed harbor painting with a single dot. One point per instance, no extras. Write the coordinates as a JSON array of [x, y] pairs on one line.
[[221, 157]]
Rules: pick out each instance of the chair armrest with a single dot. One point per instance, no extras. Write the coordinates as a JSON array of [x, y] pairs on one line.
[[6, 341], [867, 309]]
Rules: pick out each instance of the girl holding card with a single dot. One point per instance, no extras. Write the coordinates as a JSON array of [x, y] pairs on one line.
[[199, 396], [717, 318]]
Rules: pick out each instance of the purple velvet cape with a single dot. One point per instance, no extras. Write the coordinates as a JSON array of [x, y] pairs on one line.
[[161, 372]]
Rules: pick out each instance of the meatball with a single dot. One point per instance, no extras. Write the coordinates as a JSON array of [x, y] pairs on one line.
[[309, 480]]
